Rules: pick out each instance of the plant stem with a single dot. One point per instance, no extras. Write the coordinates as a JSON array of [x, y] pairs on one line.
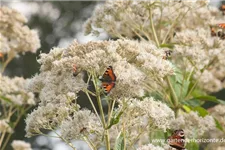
[[153, 28], [11, 55], [92, 104], [89, 143], [175, 99], [70, 144], [99, 101]]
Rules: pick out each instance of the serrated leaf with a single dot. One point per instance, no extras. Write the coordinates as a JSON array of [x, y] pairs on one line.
[[201, 111], [119, 144]]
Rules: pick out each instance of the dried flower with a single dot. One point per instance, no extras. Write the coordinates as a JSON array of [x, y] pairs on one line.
[[21, 145]]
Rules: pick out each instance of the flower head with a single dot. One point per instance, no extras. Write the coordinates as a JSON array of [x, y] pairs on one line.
[[15, 37]]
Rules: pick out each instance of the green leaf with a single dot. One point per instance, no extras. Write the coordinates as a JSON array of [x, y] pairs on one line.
[[115, 119], [156, 134], [180, 86], [119, 144], [210, 99], [218, 125], [221, 101], [192, 146], [201, 111], [5, 99], [193, 102], [186, 108], [171, 46]]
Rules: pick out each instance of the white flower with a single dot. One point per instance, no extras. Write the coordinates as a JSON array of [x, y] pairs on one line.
[[15, 91], [46, 117], [147, 112], [20, 145], [193, 125], [14, 36], [82, 123]]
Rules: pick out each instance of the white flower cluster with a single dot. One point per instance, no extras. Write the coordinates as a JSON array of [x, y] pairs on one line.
[[15, 37], [194, 126], [46, 117], [147, 112], [202, 52], [131, 18], [57, 87], [133, 62], [20, 145], [14, 91], [139, 117], [217, 112], [80, 124]]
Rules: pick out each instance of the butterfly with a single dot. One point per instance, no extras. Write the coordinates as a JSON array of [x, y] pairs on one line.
[[177, 140], [75, 71], [221, 25], [108, 80], [168, 54], [220, 34]]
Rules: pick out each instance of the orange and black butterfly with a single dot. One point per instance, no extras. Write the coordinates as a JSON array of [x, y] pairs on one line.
[[108, 80], [220, 34], [177, 140], [221, 25], [76, 71]]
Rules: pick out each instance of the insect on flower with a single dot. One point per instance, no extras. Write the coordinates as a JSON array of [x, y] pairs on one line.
[[75, 73], [83, 129], [221, 25], [168, 54], [108, 80], [220, 34], [177, 140]]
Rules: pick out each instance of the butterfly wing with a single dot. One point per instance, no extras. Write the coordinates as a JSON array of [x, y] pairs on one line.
[[177, 140], [109, 75], [221, 25], [108, 86]]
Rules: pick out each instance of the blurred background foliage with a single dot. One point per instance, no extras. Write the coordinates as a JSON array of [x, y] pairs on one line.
[[58, 24]]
